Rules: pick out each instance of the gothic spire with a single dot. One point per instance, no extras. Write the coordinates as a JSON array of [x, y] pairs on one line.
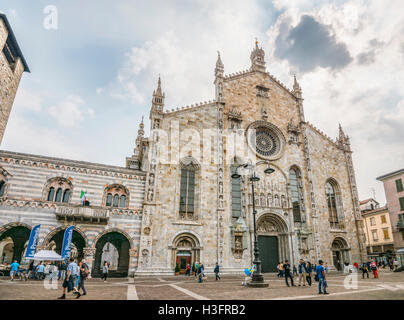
[[297, 90], [258, 59], [219, 70], [158, 98]]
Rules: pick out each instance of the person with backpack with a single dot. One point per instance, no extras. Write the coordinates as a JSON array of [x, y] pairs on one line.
[[364, 269], [320, 275], [84, 274]]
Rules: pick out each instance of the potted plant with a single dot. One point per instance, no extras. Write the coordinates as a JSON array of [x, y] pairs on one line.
[[177, 269]]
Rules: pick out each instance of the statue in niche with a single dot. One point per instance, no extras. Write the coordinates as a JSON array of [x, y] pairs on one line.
[[238, 245], [277, 201]]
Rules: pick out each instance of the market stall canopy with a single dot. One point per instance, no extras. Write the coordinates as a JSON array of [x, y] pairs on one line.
[[46, 255]]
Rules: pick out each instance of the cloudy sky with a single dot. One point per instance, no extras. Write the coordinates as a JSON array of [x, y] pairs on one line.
[[92, 78]]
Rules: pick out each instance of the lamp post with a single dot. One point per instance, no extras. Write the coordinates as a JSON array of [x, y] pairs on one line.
[[258, 278]]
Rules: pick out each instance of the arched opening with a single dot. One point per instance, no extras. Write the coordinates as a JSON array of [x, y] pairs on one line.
[[116, 196], [13, 241], [185, 250], [340, 253], [58, 190], [118, 260], [273, 241], [78, 243]]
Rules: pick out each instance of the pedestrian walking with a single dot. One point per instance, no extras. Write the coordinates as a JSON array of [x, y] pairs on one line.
[[326, 267], [105, 269], [14, 269], [188, 272], [321, 276], [373, 267], [200, 273], [31, 269], [286, 268], [302, 271], [73, 272], [309, 269], [84, 273], [217, 271]]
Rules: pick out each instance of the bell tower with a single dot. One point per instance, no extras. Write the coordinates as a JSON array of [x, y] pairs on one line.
[[258, 59], [12, 66]]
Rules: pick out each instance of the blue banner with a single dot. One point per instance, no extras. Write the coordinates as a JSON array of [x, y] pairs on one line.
[[67, 242], [32, 242]]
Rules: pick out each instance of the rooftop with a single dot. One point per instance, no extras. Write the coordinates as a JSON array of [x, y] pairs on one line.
[[391, 174]]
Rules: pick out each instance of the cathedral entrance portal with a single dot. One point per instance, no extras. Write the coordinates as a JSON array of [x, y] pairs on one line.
[[185, 250], [273, 241], [269, 253], [340, 253]]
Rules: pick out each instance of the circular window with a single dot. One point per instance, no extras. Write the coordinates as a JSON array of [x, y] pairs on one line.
[[265, 139]]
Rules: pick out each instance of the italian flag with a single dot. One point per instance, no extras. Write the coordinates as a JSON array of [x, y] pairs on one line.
[[83, 197]]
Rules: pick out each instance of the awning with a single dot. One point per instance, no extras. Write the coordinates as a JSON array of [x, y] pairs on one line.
[[400, 251], [46, 255]]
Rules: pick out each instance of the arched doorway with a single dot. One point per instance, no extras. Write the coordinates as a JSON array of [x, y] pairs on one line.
[[112, 240], [340, 253], [54, 241], [273, 241], [185, 250], [13, 240]]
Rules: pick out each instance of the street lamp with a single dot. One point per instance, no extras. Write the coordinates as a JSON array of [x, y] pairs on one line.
[[258, 278]]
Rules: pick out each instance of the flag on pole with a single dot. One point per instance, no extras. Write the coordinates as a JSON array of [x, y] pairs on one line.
[[67, 242], [83, 197], [32, 242]]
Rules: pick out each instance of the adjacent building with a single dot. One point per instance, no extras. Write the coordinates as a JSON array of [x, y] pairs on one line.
[[12, 66], [394, 190], [377, 229]]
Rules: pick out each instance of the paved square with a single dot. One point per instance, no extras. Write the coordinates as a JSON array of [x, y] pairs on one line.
[[390, 286]]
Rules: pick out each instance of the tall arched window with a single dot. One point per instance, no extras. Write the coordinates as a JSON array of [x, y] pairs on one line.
[[187, 191], [295, 195], [58, 197], [51, 194], [109, 200], [122, 201], [333, 199], [2, 187], [66, 195], [116, 200], [235, 194]]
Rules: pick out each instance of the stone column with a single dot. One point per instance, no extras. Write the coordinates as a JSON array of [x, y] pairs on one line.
[[133, 254], [89, 254]]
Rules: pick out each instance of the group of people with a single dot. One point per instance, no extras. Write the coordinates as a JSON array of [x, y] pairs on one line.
[[39, 271], [74, 278], [304, 271], [198, 270]]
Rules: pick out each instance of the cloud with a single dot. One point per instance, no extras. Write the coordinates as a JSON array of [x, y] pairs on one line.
[[28, 100], [38, 140], [309, 45], [369, 56], [70, 112]]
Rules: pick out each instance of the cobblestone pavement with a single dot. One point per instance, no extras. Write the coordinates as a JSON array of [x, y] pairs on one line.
[[389, 286]]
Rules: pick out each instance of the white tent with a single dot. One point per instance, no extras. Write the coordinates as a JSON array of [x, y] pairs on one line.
[[46, 255]]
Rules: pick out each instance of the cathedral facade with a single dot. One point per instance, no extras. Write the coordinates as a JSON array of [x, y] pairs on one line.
[[178, 200]]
